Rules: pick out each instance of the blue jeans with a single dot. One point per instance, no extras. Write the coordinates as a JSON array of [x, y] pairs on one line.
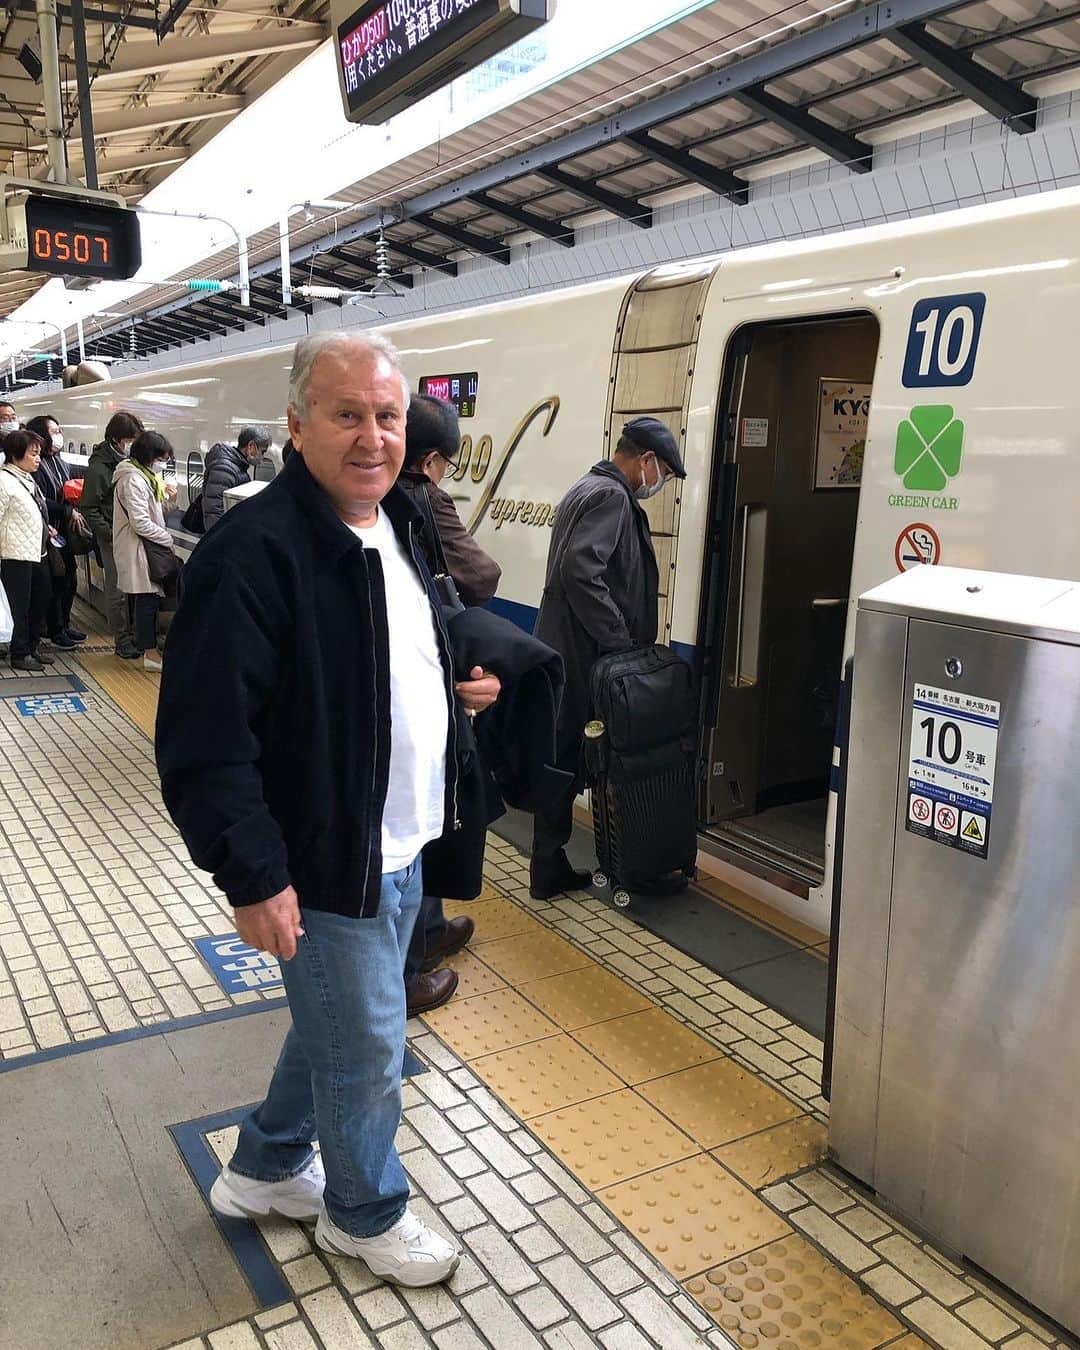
[[339, 1073]]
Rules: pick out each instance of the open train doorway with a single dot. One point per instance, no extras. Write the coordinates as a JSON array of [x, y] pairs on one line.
[[790, 438]]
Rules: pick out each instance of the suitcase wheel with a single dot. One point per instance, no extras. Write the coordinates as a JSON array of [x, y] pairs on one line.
[[621, 898], [599, 879]]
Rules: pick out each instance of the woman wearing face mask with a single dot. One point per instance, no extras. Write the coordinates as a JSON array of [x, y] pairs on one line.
[[51, 475], [97, 506], [138, 519]]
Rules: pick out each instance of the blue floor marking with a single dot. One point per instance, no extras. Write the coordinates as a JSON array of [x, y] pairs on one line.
[[243, 1237]]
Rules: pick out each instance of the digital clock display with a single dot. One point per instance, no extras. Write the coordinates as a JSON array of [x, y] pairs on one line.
[[458, 390], [69, 238]]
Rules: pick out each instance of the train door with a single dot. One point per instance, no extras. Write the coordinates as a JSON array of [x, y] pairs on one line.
[[790, 434]]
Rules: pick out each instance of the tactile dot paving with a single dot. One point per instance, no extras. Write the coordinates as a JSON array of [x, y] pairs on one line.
[[495, 918], [473, 976], [646, 1045], [719, 1102], [545, 1076], [490, 1022], [531, 956], [693, 1215], [581, 997], [787, 1296], [612, 1138], [764, 1158]]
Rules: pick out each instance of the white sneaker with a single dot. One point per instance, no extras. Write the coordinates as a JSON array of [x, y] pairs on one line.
[[410, 1253], [298, 1197], [151, 662]]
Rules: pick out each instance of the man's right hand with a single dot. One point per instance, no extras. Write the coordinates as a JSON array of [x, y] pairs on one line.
[[272, 925]]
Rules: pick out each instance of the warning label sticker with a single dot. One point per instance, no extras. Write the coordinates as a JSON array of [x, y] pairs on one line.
[[951, 764]]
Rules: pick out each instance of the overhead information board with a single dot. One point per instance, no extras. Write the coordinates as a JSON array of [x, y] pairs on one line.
[[390, 53], [67, 231]]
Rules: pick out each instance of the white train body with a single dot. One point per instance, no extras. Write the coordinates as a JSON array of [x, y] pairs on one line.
[[964, 331]]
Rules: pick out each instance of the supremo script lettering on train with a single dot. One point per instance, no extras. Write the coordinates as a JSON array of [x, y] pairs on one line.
[[548, 409]]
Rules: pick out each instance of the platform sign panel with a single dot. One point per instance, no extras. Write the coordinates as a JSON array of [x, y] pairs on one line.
[[238, 968], [391, 53], [951, 764], [50, 705]]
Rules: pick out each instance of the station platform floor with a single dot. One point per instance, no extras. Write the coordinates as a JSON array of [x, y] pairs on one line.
[[630, 1146]]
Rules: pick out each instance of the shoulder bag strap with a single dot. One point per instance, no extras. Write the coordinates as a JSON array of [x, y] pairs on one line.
[[433, 531]]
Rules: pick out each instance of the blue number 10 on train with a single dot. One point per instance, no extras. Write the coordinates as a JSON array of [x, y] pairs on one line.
[[943, 341]]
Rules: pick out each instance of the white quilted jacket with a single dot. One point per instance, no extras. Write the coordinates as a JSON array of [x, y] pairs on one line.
[[21, 524]]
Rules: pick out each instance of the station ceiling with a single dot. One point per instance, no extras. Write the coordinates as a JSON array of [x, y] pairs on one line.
[[698, 105]]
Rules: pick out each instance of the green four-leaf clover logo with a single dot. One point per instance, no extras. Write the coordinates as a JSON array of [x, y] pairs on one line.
[[929, 447]]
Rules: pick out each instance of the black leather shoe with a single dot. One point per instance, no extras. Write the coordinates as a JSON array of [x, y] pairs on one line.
[[431, 991], [127, 651], [545, 885], [62, 642], [44, 658], [75, 634], [459, 934], [30, 663]]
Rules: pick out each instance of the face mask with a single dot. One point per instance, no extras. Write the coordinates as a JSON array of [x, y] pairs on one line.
[[58, 442], [645, 491], [9, 424], [124, 447], [160, 465]]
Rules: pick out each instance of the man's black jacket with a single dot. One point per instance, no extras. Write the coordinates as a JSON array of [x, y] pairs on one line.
[[516, 746], [273, 727]]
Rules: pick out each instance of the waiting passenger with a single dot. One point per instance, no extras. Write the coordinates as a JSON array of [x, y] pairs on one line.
[[432, 445], [24, 538], [227, 466], [139, 530], [600, 597], [96, 505], [307, 653], [51, 475], [9, 422]]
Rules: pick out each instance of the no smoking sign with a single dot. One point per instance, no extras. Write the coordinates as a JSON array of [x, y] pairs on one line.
[[917, 545]]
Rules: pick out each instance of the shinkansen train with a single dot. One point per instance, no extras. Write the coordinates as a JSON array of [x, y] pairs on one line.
[[849, 406]]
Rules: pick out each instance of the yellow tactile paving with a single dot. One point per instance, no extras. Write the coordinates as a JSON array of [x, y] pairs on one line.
[[610, 1139], [135, 690], [788, 1294], [646, 1044], [693, 1215], [545, 1076], [719, 1102], [494, 1021], [496, 918], [582, 997], [531, 956], [473, 976], [764, 1158]]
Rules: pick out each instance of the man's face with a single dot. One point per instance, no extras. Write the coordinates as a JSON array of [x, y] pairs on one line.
[[253, 451], [352, 436]]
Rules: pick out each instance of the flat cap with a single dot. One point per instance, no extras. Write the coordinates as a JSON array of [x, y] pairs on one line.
[[649, 433]]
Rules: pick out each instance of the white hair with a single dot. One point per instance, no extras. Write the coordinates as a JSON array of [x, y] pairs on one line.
[[310, 348]]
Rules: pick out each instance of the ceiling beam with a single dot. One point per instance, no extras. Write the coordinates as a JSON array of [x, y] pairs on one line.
[[137, 59], [1000, 97], [361, 263], [528, 220], [133, 161], [432, 261], [467, 239], [720, 181], [626, 208], [156, 117], [220, 313], [804, 126]]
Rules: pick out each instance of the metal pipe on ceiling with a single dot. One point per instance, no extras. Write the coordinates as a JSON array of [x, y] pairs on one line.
[[86, 112], [50, 84]]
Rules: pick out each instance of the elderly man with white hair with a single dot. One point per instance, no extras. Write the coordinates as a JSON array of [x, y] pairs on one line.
[[305, 740]]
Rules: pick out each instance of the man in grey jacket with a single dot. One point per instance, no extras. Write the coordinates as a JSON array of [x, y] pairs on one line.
[[600, 597], [227, 466]]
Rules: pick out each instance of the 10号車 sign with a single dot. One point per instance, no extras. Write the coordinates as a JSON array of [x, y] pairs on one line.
[[951, 764]]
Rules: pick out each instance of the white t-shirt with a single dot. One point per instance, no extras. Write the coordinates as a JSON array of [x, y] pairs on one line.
[[413, 813]]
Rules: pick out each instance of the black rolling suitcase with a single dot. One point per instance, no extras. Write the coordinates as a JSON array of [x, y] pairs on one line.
[[639, 759]]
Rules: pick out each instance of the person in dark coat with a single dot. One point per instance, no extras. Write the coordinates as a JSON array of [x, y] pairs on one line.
[[96, 505], [600, 597], [310, 652], [432, 445], [51, 475], [227, 466]]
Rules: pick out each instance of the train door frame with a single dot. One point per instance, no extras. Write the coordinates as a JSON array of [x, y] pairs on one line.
[[719, 574]]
